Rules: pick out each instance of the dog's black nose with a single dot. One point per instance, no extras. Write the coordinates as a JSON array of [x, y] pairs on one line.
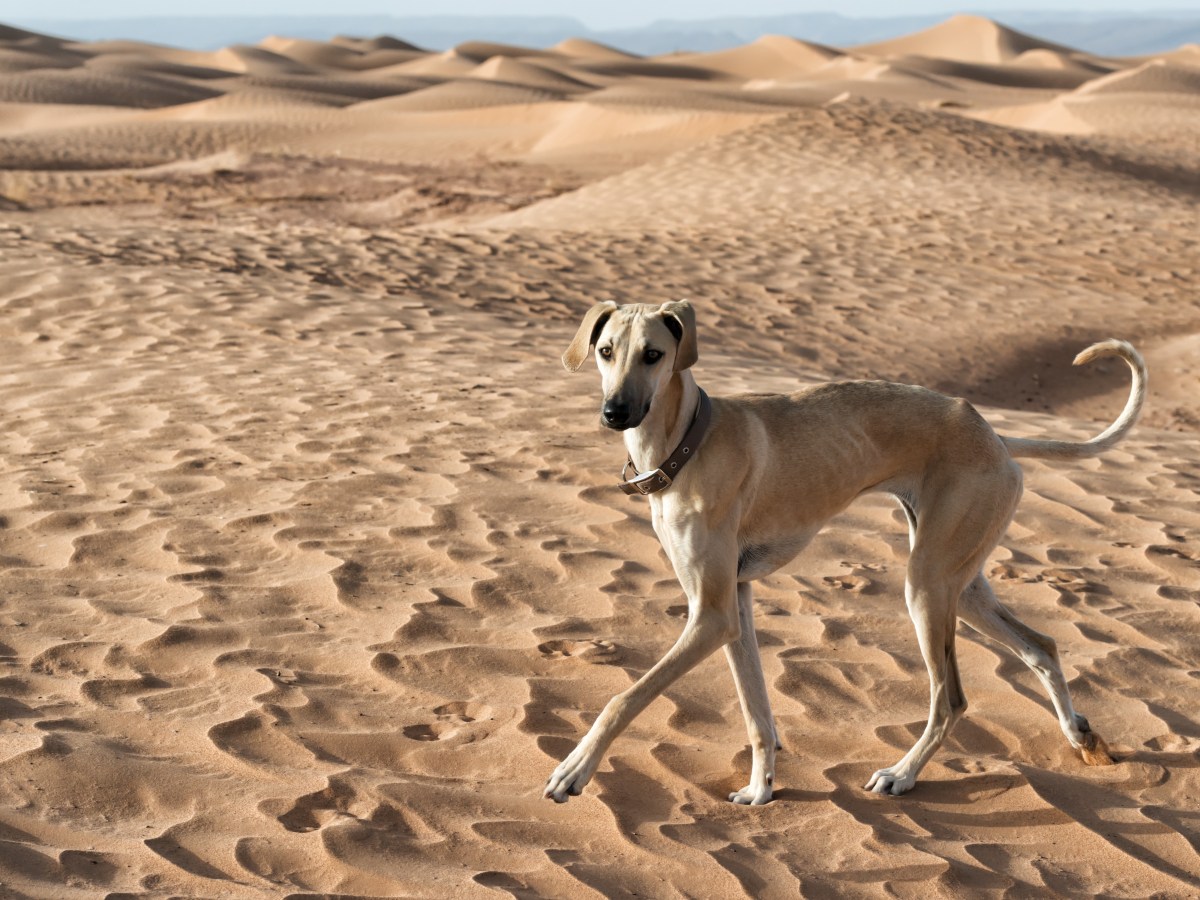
[[615, 415]]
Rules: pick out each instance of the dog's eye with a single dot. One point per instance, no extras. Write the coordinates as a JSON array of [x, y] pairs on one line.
[[605, 352], [652, 356]]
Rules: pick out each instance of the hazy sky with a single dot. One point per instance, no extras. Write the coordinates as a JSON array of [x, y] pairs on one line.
[[603, 14]]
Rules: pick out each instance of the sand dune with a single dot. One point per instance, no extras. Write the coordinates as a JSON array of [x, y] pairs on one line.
[[579, 48], [1157, 97], [20, 59], [1054, 115], [1049, 59], [38, 119], [442, 65], [1135, 114], [90, 87], [666, 67], [484, 50], [850, 68], [469, 94], [1188, 53], [659, 98], [771, 56], [311, 561], [963, 38], [1155, 77], [830, 157], [323, 55], [140, 62], [1024, 81], [1013, 74], [349, 89], [346, 53], [259, 61], [381, 43], [515, 71], [597, 138]]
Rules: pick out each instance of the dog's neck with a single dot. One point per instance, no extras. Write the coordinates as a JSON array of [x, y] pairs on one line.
[[665, 424]]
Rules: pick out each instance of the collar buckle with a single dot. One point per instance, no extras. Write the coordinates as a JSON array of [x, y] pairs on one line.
[[646, 483]]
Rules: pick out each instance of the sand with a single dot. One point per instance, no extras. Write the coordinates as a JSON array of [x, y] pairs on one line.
[[311, 558]]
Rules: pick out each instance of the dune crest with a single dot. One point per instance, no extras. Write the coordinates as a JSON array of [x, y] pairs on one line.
[[771, 56], [1158, 76], [580, 48], [515, 71], [965, 38]]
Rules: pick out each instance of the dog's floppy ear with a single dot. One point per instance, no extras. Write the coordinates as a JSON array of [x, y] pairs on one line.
[[585, 337], [680, 319]]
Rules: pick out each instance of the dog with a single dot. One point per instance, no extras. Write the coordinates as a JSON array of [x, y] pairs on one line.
[[745, 483]]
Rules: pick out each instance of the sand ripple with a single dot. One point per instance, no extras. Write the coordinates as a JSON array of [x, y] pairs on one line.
[[311, 559]]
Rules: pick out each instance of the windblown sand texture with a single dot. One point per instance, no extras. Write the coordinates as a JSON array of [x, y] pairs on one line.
[[312, 565]]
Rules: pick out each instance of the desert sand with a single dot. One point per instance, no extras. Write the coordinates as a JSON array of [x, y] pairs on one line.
[[312, 563]]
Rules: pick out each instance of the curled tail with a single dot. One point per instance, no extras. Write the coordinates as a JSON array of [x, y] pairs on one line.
[[1114, 432]]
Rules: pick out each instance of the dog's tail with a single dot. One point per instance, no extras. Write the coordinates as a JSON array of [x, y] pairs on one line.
[[1114, 432]]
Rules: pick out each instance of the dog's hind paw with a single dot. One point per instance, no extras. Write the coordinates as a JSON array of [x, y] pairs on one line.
[[1094, 751]]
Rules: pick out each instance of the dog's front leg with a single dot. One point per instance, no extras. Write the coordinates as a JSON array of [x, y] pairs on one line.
[[746, 666], [709, 580]]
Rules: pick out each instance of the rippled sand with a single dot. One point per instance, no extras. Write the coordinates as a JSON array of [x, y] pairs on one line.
[[312, 566]]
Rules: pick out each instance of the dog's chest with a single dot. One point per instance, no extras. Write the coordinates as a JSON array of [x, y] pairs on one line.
[[760, 557]]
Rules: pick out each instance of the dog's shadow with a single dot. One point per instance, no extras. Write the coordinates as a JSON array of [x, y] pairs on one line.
[[1106, 801]]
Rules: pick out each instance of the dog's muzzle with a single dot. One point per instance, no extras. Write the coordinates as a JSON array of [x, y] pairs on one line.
[[618, 416]]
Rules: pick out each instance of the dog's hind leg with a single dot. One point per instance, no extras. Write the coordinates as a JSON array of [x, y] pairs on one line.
[[953, 528], [980, 609], [746, 666], [931, 607]]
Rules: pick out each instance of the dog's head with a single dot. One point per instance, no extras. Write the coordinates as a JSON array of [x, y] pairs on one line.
[[638, 348]]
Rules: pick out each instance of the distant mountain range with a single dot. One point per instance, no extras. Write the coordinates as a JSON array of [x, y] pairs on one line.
[[1111, 33]]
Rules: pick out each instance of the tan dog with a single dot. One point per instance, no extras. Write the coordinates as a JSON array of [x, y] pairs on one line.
[[770, 472]]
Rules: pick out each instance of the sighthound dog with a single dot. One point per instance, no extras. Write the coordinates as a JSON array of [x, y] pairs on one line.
[[769, 472]]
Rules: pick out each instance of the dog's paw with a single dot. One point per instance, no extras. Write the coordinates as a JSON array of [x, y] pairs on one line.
[[886, 781], [1094, 750], [571, 776], [752, 796]]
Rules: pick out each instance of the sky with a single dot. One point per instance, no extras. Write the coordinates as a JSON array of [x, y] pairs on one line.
[[596, 15]]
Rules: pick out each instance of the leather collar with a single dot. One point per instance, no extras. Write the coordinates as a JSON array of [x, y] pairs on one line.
[[661, 478]]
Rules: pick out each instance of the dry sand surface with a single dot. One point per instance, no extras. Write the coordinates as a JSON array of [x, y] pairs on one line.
[[311, 561]]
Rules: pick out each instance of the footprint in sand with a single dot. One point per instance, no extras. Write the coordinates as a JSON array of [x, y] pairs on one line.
[[1002, 572], [856, 584], [70, 658], [870, 567], [1071, 580], [452, 719], [312, 811], [1173, 560], [432, 732], [110, 692], [460, 711], [207, 574], [600, 652]]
